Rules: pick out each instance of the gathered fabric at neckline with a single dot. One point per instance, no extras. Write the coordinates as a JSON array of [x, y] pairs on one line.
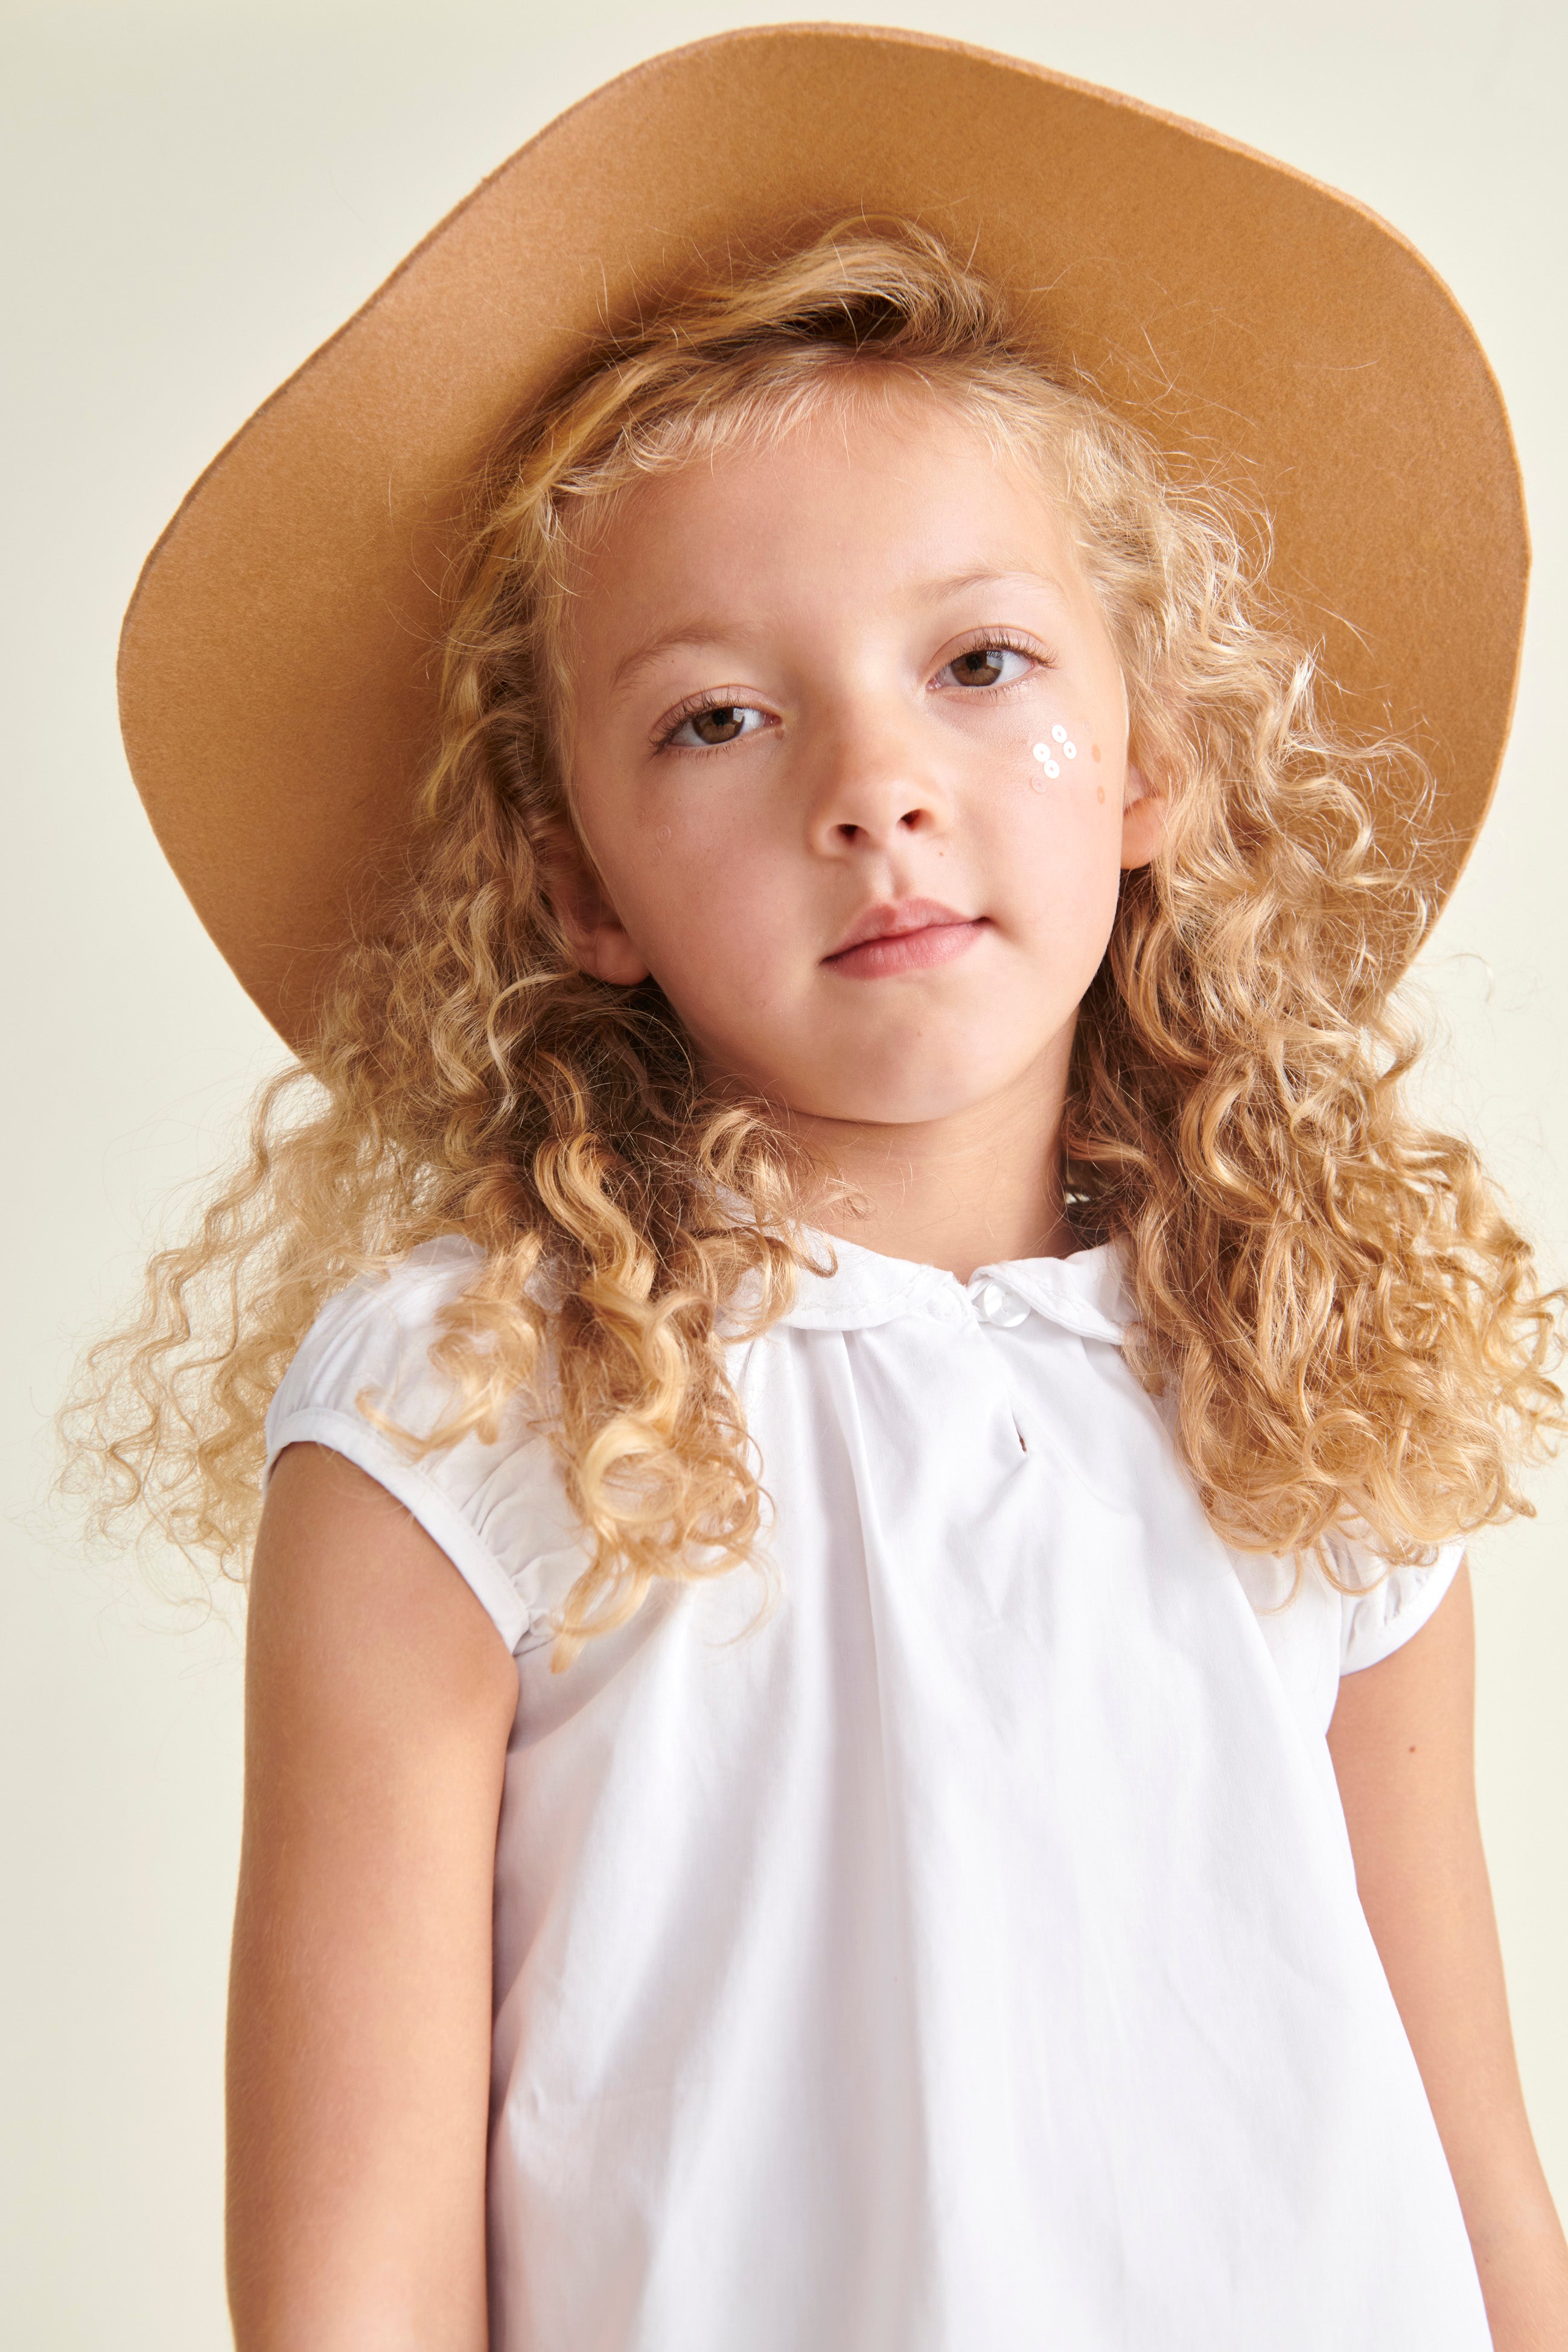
[[1085, 1292]]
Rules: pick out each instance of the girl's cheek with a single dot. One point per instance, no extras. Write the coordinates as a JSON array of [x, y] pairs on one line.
[[1066, 765], [1054, 754], [714, 898], [1062, 850]]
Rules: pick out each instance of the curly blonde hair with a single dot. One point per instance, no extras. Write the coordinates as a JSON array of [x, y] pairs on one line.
[[1342, 1318]]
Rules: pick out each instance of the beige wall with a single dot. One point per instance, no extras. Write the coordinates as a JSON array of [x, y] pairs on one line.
[[198, 194]]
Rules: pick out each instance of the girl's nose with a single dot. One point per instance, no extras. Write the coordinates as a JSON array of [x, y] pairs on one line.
[[877, 791]]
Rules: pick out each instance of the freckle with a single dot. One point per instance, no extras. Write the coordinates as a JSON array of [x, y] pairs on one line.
[[1099, 791], [1094, 750]]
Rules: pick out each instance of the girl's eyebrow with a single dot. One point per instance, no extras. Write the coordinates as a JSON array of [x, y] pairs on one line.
[[1015, 576], [692, 633]]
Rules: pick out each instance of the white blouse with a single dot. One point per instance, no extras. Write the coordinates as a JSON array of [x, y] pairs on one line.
[[946, 1941]]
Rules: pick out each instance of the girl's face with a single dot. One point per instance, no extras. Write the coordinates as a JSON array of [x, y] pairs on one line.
[[849, 749]]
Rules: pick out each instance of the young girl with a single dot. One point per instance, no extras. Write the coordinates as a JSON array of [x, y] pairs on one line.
[[871, 1406]]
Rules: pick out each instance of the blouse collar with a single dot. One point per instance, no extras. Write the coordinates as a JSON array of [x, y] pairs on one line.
[[1084, 1293]]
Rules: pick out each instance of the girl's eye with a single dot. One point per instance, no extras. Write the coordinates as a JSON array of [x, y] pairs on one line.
[[988, 665], [720, 722]]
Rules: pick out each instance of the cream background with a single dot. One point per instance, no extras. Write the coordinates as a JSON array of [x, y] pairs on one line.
[[195, 197]]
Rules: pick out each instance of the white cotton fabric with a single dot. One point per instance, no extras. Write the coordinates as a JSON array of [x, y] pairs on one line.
[[950, 1944]]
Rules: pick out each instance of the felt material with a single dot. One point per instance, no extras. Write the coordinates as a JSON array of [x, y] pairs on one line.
[[277, 671]]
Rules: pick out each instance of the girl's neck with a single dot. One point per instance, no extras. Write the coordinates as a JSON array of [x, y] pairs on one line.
[[980, 1187]]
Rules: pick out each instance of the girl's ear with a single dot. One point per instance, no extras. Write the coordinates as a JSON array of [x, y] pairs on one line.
[[594, 933], [1142, 818]]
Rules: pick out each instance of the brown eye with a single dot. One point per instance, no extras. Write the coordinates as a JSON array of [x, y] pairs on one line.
[[720, 726], [984, 666], [721, 722], [980, 666]]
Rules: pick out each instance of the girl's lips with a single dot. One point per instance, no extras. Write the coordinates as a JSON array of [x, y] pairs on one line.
[[904, 938]]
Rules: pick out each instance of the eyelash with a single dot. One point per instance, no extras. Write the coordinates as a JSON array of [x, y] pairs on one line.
[[1004, 640]]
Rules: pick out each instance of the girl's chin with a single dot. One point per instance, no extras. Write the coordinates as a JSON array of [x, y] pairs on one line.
[[911, 1072]]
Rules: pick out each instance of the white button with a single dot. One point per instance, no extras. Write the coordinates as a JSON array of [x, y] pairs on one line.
[[1000, 1306]]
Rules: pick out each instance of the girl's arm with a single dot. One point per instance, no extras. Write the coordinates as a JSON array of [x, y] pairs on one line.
[[378, 1704], [1402, 1741]]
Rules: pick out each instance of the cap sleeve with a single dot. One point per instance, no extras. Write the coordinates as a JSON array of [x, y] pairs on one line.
[[498, 1511], [1385, 1606]]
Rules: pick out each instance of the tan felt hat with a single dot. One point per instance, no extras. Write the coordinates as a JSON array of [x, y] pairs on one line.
[[276, 685]]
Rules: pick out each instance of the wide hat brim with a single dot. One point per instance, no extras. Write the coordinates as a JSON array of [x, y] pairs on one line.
[[277, 670]]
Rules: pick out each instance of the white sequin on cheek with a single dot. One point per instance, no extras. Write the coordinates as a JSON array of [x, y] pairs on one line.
[[1042, 752]]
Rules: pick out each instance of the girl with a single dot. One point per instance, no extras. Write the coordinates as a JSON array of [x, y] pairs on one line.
[[869, 1403]]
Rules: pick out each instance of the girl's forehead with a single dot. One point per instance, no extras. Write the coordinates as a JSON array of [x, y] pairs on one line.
[[899, 491]]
